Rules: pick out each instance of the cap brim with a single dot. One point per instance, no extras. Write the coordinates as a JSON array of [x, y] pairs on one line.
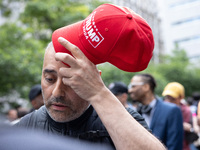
[[170, 93]]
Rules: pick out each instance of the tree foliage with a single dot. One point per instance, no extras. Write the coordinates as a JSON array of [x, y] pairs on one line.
[[20, 59], [23, 42]]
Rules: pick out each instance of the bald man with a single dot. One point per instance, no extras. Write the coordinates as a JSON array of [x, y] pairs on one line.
[[78, 104]]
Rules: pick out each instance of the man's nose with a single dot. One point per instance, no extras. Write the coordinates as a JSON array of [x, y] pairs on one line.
[[59, 89], [130, 90]]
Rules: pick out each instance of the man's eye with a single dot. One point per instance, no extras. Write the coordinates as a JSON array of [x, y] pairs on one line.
[[49, 79]]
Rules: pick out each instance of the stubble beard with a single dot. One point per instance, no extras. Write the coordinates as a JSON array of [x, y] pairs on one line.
[[70, 114]]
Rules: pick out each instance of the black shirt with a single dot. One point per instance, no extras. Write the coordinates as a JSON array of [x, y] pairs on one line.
[[87, 127]]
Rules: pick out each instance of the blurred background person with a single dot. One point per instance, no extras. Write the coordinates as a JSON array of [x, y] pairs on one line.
[[164, 119], [120, 90], [174, 92], [196, 98], [193, 109], [35, 97], [190, 102], [12, 115], [21, 111]]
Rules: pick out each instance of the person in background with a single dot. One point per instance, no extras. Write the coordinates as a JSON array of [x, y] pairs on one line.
[[196, 99], [120, 90], [193, 109], [191, 104], [164, 119], [21, 111], [174, 92], [35, 97], [12, 115]]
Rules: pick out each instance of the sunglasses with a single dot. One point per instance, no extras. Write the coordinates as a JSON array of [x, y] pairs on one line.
[[135, 84]]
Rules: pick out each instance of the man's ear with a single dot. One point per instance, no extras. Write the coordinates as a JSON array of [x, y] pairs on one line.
[[125, 96], [146, 87], [33, 102], [180, 98]]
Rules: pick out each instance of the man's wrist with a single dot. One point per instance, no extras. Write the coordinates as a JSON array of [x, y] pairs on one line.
[[99, 96]]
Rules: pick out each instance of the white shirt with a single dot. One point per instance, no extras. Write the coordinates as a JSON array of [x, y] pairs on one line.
[[148, 117]]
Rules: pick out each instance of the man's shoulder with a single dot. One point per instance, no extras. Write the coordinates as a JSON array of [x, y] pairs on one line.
[[95, 121], [138, 117], [167, 108], [31, 119], [166, 105], [185, 108]]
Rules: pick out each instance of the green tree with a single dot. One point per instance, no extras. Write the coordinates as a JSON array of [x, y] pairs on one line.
[[23, 42], [20, 59]]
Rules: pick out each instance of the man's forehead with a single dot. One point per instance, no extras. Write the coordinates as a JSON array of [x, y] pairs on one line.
[[50, 52], [50, 65], [136, 79], [49, 58]]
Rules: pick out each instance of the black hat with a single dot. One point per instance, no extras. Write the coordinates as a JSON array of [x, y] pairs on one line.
[[118, 88], [35, 91], [196, 96]]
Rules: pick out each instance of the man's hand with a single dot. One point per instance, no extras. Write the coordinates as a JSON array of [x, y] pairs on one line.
[[187, 126], [82, 75]]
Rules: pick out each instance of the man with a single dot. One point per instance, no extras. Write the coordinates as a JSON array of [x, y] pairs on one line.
[[174, 92], [35, 97], [12, 115], [164, 119], [120, 90], [77, 102]]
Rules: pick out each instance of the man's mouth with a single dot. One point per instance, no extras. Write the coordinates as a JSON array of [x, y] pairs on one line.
[[59, 106]]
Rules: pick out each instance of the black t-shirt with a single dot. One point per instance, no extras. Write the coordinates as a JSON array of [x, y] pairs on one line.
[[87, 127]]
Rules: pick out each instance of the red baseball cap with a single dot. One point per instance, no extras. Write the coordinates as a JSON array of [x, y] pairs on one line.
[[111, 34]]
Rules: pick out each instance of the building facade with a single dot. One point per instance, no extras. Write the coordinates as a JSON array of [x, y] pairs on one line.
[[182, 26]]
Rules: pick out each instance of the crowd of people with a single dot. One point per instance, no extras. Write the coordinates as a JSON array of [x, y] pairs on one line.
[[73, 101], [36, 101], [172, 118]]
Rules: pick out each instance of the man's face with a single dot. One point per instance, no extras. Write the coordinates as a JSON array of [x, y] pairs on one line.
[[136, 89], [37, 102], [171, 99], [12, 114], [62, 103]]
